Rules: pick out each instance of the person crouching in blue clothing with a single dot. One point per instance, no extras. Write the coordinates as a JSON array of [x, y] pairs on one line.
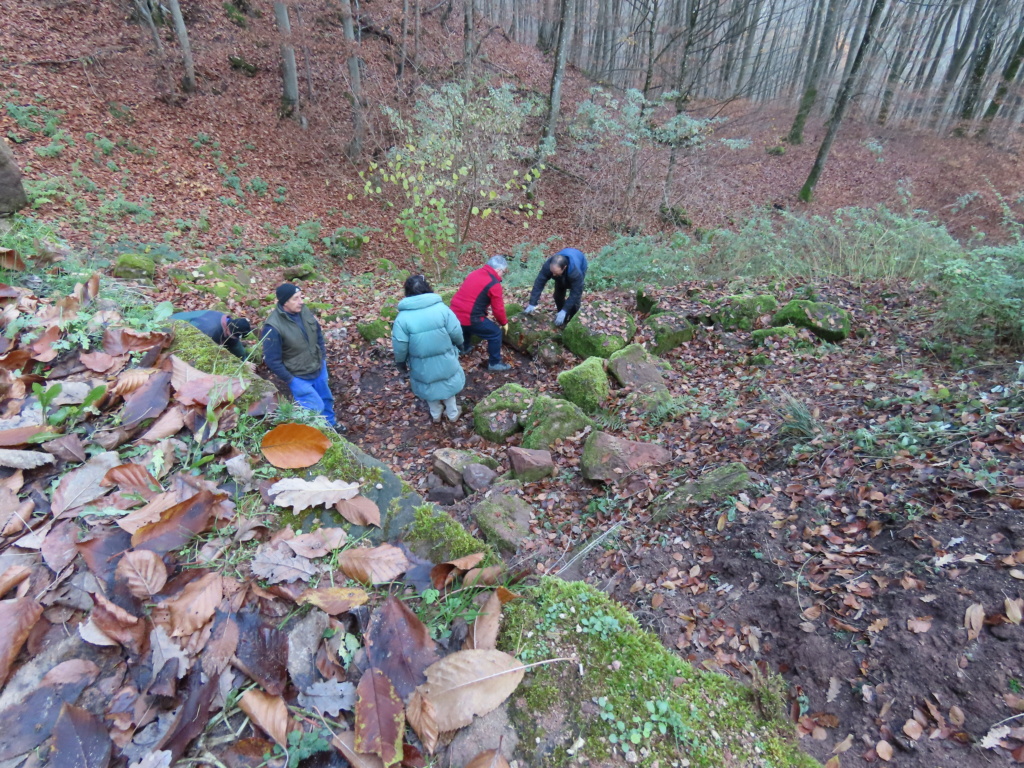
[[426, 339], [294, 350], [568, 268]]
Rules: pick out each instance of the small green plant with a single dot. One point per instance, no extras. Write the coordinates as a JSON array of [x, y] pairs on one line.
[[103, 144], [34, 117], [257, 186], [600, 624], [281, 195], [120, 112], [777, 151], [235, 16], [293, 246], [60, 141], [201, 140], [346, 242], [118, 207]]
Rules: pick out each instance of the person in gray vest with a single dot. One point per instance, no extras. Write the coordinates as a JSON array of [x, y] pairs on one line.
[[294, 350], [222, 329]]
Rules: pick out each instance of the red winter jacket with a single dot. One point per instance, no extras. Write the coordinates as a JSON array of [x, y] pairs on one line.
[[482, 287]]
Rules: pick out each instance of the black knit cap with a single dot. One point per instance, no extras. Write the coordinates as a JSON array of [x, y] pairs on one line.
[[239, 326], [285, 291]]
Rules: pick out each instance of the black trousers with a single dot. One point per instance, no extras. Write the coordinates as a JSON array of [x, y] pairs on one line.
[[560, 302]]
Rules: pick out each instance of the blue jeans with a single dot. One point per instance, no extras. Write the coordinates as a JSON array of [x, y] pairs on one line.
[[315, 394], [489, 331]]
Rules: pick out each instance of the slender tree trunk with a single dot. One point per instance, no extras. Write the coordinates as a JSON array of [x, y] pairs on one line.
[[1007, 78], [957, 62], [899, 64], [181, 31], [355, 83], [416, 37], [652, 33], [815, 71], [842, 100], [142, 6], [289, 70], [468, 42], [979, 69], [565, 15], [405, 33]]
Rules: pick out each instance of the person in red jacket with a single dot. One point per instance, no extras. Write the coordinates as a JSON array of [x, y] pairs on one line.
[[482, 289]]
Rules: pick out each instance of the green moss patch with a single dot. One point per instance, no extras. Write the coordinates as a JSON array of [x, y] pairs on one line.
[[500, 414], [740, 313], [376, 329], [586, 384], [826, 321], [549, 420], [598, 330], [767, 335], [135, 266], [670, 330], [439, 537], [634, 699]]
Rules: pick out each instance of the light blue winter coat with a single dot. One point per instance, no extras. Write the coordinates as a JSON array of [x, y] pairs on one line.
[[425, 335]]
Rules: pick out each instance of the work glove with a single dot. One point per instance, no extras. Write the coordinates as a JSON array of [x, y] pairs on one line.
[[560, 318], [504, 328], [300, 387], [530, 309]]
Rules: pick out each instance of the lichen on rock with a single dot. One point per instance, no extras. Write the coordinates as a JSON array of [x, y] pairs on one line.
[[670, 330], [740, 313], [499, 415], [134, 266]]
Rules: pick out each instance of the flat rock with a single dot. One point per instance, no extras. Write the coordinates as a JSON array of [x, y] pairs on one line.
[[12, 193], [492, 731], [446, 495], [450, 463], [530, 465], [722, 481], [303, 640], [504, 520], [477, 477], [606, 457]]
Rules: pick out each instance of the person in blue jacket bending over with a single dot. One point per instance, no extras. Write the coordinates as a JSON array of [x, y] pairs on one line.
[[294, 350], [222, 329], [568, 268]]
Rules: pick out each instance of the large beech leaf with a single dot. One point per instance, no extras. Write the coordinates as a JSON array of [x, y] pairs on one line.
[[169, 424], [329, 697], [79, 487], [492, 758], [345, 742], [133, 478], [120, 341], [195, 605], [268, 713], [17, 617], [262, 652], [319, 543], [302, 494], [380, 717], [143, 571], [359, 510], [421, 716], [294, 446], [470, 683], [483, 635], [118, 624], [222, 644], [193, 715], [178, 524], [148, 401], [80, 740], [276, 563], [377, 565], [399, 644], [334, 600], [10, 438]]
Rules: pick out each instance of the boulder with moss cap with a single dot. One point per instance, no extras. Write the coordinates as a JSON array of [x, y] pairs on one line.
[[586, 384], [549, 420], [741, 313], [500, 414], [826, 321], [670, 330], [599, 329]]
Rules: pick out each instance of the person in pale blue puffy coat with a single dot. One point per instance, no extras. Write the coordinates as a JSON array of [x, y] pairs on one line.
[[426, 338]]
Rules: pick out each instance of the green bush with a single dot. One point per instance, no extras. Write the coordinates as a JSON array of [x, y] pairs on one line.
[[60, 141], [293, 246], [345, 242]]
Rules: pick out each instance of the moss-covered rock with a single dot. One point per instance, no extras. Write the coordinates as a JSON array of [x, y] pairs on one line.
[[826, 321], [586, 384], [549, 420], [718, 483], [299, 272], [504, 521], [528, 333], [766, 335], [711, 719], [438, 537], [598, 329], [450, 463], [375, 329], [608, 458], [670, 330], [740, 313], [199, 350], [646, 301], [389, 310], [500, 414], [134, 266]]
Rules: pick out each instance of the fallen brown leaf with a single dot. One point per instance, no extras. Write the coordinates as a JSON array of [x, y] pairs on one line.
[[380, 717], [268, 713], [143, 571]]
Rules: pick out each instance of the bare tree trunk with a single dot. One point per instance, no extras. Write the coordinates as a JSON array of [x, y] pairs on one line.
[[1005, 81], [355, 84], [815, 71], [899, 63], [306, 57], [142, 6], [469, 27], [405, 33], [842, 100], [957, 62], [565, 13], [181, 30], [289, 70], [416, 37], [982, 58]]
